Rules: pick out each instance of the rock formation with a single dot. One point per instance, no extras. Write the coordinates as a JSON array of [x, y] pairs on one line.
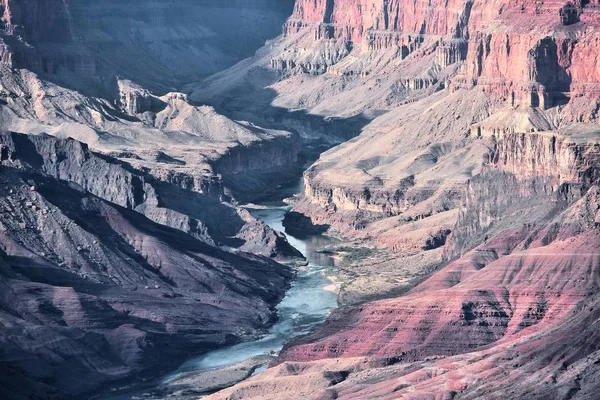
[[481, 155], [161, 45], [122, 241], [94, 290], [515, 304], [463, 157], [482, 65]]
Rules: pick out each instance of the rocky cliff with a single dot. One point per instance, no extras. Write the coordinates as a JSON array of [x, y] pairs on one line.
[[119, 196], [481, 154], [558, 173], [373, 55], [457, 117], [487, 62], [104, 272], [501, 51], [160, 44], [523, 252]]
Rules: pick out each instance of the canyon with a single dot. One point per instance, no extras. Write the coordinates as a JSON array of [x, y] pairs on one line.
[[472, 189], [451, 148]]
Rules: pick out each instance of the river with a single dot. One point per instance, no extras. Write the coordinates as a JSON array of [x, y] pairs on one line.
[[305, 307]]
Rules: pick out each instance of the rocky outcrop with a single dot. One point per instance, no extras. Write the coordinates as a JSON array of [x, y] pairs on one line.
[[197, 211], [251, 170], [170, 138], [392, 171], [548, 169], [137, 100], [93, 290], [502, 52]]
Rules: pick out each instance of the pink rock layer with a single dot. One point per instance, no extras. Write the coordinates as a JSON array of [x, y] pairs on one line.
[[534, 53]]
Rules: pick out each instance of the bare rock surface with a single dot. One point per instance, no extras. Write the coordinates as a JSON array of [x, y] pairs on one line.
[[466, 189], [94, 290], [511, 316], [163, 45], [472, 189]]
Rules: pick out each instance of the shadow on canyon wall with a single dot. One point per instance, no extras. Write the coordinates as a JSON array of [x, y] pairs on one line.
[[316, 133], [83, 45]]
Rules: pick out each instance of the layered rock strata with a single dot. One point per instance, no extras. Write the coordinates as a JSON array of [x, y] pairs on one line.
[[162, 45], [94, 290], [201, 215], [504, 309], [501, 52]]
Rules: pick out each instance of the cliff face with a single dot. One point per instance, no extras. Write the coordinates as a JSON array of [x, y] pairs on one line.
[[550, 170], [26, 25], [159, 44], [106, 270], [37, 21], [196, 209], [498, 66], [356, 20], [528, 53], [538, 67], [524, 258], [484, 141], [558, 174]]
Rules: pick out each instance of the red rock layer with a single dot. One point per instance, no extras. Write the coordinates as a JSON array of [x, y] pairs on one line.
[[526, 291], [530, 268], [533, 53], [355, 19]]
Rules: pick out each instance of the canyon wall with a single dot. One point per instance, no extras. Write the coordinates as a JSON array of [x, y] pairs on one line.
[[162, 45], [483, 144], [496, 60], [119, 196], [469, 113], [533, 192], [109, 272], [528, 53], [550, 170], [522, 276]]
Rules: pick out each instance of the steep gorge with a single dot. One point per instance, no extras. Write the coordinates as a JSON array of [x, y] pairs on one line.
[[121, 239], [161, 45], [480, 160], [101, 280], [504, 66], [520, 278], [468, 112]]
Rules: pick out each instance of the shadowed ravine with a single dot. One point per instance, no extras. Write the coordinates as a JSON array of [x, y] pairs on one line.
[[307, 304]]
